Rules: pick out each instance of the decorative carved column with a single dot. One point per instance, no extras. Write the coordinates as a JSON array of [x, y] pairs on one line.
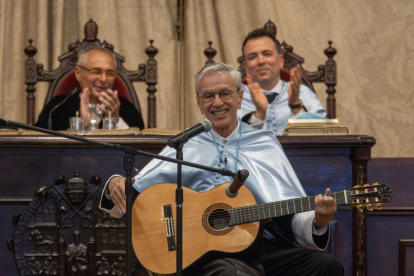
[[359, 158], [151, 80], [330, 81], [30, 80]]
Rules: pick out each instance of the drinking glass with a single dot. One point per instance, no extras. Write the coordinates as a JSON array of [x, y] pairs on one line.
[[109, 122], [95, 116], [76, 125]]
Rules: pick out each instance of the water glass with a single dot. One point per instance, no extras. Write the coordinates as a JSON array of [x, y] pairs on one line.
[[109, 123], [76, 124], [95, 116]]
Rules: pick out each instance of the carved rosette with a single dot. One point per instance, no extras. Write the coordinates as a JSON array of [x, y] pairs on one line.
[[152, 71], [30, 71]]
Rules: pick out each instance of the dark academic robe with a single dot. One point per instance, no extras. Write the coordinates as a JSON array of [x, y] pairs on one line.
[[62, 114]]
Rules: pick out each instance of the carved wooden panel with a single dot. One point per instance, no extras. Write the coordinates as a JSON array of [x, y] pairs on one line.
[[63, 232]]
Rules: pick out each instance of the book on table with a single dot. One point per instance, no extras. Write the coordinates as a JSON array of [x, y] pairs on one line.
[[314, 127]]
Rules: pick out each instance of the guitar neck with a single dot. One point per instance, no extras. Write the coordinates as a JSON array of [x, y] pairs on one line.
[[253, 213]]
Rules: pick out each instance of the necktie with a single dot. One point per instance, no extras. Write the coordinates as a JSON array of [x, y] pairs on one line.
[[271, 97]]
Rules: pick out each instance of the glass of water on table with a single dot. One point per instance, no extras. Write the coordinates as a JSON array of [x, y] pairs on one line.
[[95, 116]]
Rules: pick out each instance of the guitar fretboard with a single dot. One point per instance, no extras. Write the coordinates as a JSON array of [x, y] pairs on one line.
[[253, 213]]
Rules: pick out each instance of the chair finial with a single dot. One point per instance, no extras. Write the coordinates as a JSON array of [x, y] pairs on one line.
[[270, 27], [30, 50], [210, 53], [330, 51], [91, 30], [151, 51]]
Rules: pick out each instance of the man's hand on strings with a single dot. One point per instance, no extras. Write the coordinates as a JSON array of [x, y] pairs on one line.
[[325, 208]]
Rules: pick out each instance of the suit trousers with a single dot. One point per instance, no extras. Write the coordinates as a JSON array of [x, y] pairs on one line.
[[271, 259]]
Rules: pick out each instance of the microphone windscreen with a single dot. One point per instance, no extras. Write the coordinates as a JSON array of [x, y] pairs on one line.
[[206, 122]]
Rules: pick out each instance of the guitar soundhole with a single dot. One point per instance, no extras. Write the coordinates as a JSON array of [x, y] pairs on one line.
[[216, 219], [219, 219]]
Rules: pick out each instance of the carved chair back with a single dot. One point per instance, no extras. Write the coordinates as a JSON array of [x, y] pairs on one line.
[[62, 79], [325, 73]]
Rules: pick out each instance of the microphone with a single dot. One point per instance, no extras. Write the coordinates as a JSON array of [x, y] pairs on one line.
[[3, 123], [70, 94], [202, 126], [238, 180]]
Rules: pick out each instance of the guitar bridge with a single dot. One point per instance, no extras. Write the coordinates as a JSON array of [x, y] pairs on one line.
[[169, 227]]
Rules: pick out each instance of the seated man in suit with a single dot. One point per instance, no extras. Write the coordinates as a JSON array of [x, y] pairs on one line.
[[95, 72], [234, 145], [268, 101]]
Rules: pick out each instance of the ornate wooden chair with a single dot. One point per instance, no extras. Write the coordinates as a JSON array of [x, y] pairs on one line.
[[325, 73], [63, 79]]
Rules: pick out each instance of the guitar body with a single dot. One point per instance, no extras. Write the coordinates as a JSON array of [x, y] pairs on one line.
[[201, 234]]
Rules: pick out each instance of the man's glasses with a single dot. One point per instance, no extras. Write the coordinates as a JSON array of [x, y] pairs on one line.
[[224, 94], [97, 73]]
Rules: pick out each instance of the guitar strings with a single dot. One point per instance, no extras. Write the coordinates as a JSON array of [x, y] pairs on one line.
[[284, 206], [247, 214], [291, 206]]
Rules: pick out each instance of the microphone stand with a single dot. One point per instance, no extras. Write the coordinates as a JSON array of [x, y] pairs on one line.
[[178, 143], [49, 120], [179, 198], [129, 161]]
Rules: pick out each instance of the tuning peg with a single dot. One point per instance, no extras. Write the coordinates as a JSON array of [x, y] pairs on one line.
[[366, 184], [379, 207], [136, 170], [369, 207], [360, 209]]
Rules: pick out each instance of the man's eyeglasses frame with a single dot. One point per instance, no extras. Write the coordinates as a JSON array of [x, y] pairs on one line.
[[95, 71], [226, 97]]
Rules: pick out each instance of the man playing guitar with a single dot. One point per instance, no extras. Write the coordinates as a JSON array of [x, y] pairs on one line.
[[291, 244]]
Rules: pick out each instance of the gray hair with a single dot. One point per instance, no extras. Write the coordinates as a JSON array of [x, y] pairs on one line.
[[82, 56], [218, 68]]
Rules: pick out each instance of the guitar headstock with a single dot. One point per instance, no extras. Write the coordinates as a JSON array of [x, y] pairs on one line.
[[367, 196]]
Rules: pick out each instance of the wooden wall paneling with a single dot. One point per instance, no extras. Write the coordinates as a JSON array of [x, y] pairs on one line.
[[390, 230], [406, 257]]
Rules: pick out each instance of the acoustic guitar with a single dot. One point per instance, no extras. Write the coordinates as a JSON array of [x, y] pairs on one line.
[[214, 222]]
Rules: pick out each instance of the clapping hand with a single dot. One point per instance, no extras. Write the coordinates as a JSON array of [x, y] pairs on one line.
[[259, 99], [294, 88]]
